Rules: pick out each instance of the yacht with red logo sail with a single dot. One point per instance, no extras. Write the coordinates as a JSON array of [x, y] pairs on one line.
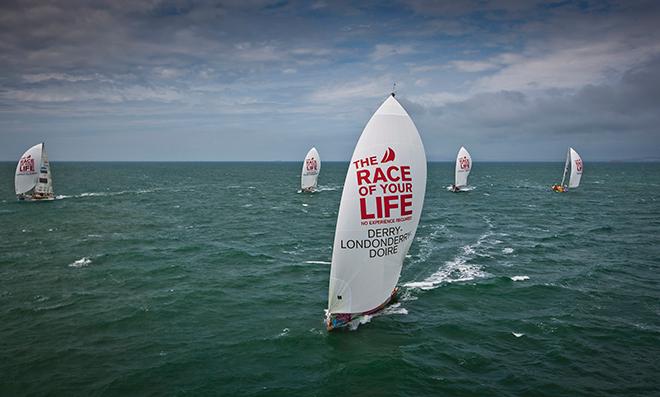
[[574, 163], [33, 180], [310, 171], [463, 168], [380, 208]]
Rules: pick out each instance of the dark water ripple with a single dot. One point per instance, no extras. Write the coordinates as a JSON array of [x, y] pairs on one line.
[[211, 279]]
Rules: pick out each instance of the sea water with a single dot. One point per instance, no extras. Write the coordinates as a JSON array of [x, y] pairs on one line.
[[211, 279]]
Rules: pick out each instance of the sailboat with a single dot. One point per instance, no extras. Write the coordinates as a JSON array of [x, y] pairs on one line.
[[33, 180], [310, 171], [378, 216], [463, 168], [574, 162]]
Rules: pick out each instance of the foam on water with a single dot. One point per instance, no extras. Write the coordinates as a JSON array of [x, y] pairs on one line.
[[519, 278], [330, 188], [82, 262], [104, 194], [459, 268], [464, 188], [507, 250], [317, 262]]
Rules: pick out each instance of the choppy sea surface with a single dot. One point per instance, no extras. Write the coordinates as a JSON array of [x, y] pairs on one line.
[[211, 279]]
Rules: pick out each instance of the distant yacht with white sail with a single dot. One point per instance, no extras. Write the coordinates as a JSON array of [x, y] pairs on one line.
[[462, 171], [310, 171], [33, 180], [380, 208], [574, 163]]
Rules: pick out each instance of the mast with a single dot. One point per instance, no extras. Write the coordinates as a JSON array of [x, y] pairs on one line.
[[568, 157]]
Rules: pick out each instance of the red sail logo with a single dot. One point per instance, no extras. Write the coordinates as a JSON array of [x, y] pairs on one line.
[[464, 163], [578, 165], [311, 164], [385, 191], [26, 164], [388, 156]]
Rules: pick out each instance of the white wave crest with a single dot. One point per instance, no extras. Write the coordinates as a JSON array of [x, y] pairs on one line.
[[327, 188], [317, 262], [517, 334], [82, 262], [519, 278], [507, 250]]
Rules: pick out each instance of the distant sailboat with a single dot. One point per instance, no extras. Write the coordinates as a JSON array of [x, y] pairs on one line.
[[574, 163], [310, 171], [33, 180], [378, 215], [463, 168]]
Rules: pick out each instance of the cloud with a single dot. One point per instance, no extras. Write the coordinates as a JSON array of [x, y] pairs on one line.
[[567, 67], [360, 89], [473, 66], [382, 51]]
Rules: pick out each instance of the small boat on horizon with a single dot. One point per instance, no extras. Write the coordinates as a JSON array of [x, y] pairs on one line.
[[462, 171], [33, 180], [310, 171], [380, 208], [574, 162]]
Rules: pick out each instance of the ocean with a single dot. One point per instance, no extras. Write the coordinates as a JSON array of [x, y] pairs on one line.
[[210, 279]]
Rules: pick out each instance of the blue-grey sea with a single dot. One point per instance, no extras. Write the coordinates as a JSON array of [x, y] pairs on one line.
[[210, 279]]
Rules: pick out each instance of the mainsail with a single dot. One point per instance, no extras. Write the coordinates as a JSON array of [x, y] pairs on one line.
[[33, 179], [463, 167], [378, 215], [576, 169], [310, 170]]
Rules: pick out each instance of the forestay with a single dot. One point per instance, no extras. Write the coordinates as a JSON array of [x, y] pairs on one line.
[[379, 211]]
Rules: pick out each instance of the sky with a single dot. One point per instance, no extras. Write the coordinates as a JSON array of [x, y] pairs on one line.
[[262, 80]]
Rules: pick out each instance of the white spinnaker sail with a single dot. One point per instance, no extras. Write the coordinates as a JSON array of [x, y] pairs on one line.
[[45, 181], [27, 169], [463, 167], [379, 211], [576, 169], [310, 170]]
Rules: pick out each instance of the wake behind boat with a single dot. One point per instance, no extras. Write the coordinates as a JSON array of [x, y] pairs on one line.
[[310, 171], [378, 216], [33, 180], [462, 171], [574, 162]]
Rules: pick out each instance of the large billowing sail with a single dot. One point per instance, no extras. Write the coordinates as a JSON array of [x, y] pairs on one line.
[[379, 211], [27, 170], [576, 169], [463, 167], [310, 170], [33, 180]]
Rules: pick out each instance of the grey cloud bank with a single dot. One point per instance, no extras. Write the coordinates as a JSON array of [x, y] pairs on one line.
[[264, 80]]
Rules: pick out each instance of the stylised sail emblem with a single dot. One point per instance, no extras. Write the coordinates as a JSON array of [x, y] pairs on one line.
[[26, 164], [311, 164], [578, 165], [465, 163], [388, 156]]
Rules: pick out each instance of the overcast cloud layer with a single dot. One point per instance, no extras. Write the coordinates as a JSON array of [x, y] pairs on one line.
[[266, 80]]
